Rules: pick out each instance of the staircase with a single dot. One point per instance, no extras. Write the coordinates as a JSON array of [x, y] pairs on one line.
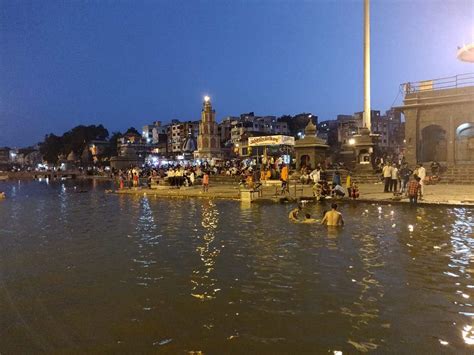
[[360, 177], [461, 174]]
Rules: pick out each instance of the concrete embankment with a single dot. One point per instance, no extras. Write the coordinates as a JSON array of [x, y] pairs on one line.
[[452, 195]]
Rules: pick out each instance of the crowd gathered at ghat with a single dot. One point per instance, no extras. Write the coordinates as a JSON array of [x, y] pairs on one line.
[[326, 180]]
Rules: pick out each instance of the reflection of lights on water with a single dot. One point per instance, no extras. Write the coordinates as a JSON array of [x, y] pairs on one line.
[[443, 342], [468, 335], [410, 227], [203, 283], [380, 209]]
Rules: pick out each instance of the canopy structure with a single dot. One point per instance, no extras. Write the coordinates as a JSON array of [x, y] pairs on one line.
[[271, 140], [466, 53]]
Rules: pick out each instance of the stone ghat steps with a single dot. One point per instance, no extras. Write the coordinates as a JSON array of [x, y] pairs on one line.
[[463, 175], [366, 179], [358, 177]]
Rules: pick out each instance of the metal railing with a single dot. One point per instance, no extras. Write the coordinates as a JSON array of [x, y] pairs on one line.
[[461, 80]]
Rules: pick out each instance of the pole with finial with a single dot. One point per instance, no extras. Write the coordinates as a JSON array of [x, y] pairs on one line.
[[366, 117]]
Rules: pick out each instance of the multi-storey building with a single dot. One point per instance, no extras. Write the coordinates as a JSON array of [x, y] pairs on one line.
[[177, 133], [249, 125], [327, 130], [225, 128], [5, 155], [389, 127], [152, 132]]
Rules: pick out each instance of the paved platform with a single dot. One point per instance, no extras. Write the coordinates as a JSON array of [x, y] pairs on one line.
[[434, 194]]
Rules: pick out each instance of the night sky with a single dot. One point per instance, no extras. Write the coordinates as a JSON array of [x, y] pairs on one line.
[[128, 63]]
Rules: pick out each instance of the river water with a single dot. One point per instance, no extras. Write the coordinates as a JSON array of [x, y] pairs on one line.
[[95, 272]]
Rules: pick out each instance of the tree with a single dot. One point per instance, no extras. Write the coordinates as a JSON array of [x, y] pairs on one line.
[[79, 137], [132, 130], [75, 140], [111, 150], [295, 123], [51, 148]]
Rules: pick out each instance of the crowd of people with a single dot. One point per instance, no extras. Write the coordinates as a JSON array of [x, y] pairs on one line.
[[401, 180], [397, 178], [323, 189], [246, 172]]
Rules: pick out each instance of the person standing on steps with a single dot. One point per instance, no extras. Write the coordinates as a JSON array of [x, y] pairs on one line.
[[284, 175], [394, 178], [422, 175], [387, 176]]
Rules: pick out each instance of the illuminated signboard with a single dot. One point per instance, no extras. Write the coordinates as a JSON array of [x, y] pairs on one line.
[[271, 140]]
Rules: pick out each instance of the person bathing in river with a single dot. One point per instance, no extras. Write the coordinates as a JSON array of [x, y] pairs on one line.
[[294, 214], [308, 219], [333, 217]]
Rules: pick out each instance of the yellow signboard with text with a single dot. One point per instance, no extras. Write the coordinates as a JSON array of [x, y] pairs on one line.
[[271, 140]]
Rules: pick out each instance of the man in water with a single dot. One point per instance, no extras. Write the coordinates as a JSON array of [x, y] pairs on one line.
[[308, 219], [294, 214], [333, 217]]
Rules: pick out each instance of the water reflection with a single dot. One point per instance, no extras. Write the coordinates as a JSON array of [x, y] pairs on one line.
[[364, 312], [115, 274], [145, 239], [461, 256], [203, 278]]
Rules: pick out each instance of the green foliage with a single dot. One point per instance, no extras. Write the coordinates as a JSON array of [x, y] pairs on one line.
[[295, 123], [51, 148], [111, 150], [132, 130], [75, 140]]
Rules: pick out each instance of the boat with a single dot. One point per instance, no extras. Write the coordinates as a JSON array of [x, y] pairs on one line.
[[3, 177]]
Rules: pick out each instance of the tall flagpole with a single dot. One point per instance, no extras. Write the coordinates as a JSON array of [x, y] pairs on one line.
[[366, 117]]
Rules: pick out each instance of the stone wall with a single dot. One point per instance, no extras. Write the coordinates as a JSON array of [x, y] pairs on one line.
[[447, 109]]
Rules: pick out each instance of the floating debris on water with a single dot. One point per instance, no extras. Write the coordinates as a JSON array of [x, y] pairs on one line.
[[162, 342]]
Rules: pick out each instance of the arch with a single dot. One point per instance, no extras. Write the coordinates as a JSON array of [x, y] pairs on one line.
[[464, 148], [213, 143], [206, 129], [305, 160], [205, 143], [433, 144]]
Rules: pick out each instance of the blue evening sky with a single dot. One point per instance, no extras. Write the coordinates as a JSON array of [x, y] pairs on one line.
[[128, 63]]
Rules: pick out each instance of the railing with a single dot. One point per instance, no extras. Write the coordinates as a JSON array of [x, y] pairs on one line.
[[451, 82]]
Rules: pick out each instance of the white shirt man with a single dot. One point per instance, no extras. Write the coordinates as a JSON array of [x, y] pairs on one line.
[[315, 175], [421, 172], [387, 171], [394, 179], [387, 176]]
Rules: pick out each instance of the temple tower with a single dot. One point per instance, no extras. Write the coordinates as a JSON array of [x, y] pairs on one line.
[[209, 144]]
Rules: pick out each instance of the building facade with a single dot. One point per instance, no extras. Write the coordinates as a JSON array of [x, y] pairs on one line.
[[251, 125], [439, 123]]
